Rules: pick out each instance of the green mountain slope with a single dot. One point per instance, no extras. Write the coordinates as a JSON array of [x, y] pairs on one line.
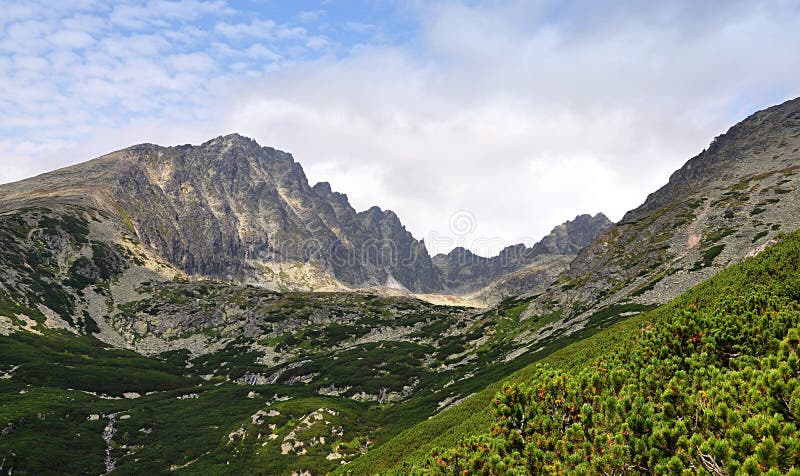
[[63, 390], [707, 383], [474, 416], [84, 308], [113, 355], [200, 415]]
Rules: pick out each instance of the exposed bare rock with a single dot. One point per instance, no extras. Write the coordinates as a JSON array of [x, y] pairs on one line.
[[464, 271], [215, 209], [230, 209], [725, 204]]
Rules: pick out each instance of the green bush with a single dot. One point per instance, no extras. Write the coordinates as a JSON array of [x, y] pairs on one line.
[[711, 385]]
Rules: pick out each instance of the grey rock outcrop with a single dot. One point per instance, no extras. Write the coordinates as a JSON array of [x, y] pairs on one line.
[[230, 209], [572, 236], [216, 209], [464, 271], [722, 204]]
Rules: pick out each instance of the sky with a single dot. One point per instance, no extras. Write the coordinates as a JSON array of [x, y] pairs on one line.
[[481, 124]]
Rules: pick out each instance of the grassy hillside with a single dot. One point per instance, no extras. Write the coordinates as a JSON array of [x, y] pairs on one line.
[[60, 391], [727, 347], [473, 416], [707, 383], [381, 364]]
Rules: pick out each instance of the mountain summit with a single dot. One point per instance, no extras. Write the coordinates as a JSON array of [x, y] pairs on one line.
[[129, 276], [725, 204], [233, 210], [464, 271]]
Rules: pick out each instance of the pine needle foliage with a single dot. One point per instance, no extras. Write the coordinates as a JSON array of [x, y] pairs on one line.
[[711, 385]]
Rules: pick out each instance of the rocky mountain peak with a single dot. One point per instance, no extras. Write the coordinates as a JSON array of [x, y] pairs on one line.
[[323, 188], [513, 250], [458, 252], [375, 215], [724, 204], [235, 137], [234, 210], [728, 153], [571, 236], [465, 271]]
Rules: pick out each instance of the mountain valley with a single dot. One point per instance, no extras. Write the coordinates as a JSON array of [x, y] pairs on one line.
[[205, 310]]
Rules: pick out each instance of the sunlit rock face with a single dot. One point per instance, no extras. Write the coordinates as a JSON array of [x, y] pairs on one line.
[[233, 210]]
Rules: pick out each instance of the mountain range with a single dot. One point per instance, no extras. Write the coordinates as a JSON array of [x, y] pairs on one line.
[[231, 209], [204, 310]]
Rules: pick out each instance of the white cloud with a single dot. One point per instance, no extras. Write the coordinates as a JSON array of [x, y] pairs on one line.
[[27, 37], [290, 32], [17, 12], [310, 16], [259, 51], [149, 45], [191, 62], [140, 15], [317, 42], [524, 126], [187, 35], [71, 39], [254, 29], [522, 113], [84, 22], [30, 64]]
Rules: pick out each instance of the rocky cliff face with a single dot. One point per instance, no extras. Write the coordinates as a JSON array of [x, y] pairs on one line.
[[531, 279], [464, 271], [229, 208], [233, 210], [572, 236]]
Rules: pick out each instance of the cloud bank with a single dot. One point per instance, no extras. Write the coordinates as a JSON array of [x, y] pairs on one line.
[[522, 114]]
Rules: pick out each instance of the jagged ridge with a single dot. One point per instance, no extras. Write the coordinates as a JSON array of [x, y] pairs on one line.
[[229, 207]]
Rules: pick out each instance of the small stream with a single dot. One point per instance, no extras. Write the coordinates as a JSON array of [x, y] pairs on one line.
[[108, 433]]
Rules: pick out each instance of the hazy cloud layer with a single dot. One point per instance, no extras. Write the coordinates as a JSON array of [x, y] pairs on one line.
[[517, 115]]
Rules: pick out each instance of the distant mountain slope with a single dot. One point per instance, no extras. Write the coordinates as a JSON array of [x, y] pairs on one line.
[[233, 210], [722, 356], [225, 207], [533, 278], [464, 271], [721, 206]]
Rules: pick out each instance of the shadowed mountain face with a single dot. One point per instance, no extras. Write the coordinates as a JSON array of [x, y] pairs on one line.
[[464, 271], [222, 208], [231, 209]]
